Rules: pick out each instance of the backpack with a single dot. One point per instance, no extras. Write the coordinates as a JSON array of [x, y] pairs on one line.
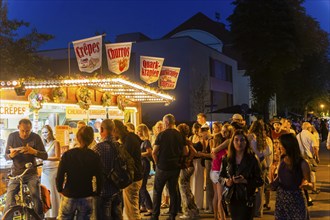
[[122, 172], [45, 198]]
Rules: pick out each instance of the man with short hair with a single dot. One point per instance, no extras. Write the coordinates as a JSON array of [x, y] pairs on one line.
[[169, 147], [132, 143], [110, 204], [308, 145], [24, 146], [201, 119]]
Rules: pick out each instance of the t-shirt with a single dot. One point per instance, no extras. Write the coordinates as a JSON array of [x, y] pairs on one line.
[[171, 144], [289, 179], [144, 147], [21, 159]]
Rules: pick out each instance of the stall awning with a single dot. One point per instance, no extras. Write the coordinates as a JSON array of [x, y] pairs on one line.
[[116, 86]]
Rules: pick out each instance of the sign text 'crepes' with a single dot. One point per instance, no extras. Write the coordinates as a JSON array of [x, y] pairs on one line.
[[12, 110], [87, 49]]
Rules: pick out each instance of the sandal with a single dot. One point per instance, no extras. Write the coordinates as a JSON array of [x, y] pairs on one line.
[[148, 214], [164, 206], [143, 210], [316, 191]]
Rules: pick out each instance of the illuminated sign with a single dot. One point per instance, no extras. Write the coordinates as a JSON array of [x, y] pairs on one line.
[[78, 113], [13, 110]]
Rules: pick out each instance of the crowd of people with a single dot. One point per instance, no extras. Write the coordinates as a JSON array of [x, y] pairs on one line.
[[227, 169]]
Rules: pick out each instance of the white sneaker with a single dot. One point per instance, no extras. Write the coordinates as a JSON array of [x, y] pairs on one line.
[[184, 217]]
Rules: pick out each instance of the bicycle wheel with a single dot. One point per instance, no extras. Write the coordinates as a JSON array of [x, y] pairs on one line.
[[20, 213]]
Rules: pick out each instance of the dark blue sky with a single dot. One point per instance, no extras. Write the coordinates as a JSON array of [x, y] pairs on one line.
[[71, 20]]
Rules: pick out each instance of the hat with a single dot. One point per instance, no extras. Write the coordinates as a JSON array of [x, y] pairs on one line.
[[275, 120], [237, 117], [98, 120]]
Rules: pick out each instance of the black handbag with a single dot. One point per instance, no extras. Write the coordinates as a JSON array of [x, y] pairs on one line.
[[227, 194]]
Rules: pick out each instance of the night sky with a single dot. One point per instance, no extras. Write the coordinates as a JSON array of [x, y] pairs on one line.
[[70, 20]]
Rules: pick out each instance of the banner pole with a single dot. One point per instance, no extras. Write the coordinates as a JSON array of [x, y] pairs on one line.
[[69, 51], [103, 35]]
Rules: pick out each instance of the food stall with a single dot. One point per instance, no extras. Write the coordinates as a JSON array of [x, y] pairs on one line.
[[62, 102]]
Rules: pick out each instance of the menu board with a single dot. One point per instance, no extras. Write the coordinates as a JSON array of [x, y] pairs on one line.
[[62, 134]]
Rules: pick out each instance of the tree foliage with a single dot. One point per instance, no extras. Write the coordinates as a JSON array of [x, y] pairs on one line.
[[276, 38], [18, 56]]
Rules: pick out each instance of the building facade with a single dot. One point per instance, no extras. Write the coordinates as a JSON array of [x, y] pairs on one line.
[[211, 76]]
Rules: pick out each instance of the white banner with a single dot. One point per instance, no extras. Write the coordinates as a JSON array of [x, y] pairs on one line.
[[168, 77], [118, 56], [150, 68], [88, 53]]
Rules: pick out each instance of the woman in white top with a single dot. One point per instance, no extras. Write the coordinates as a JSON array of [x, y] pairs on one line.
[[49, 169]]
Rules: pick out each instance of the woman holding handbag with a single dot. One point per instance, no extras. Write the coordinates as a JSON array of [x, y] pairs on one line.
[[240, 172]]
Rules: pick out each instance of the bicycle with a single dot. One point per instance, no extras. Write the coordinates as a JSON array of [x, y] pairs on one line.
[[23, 210]]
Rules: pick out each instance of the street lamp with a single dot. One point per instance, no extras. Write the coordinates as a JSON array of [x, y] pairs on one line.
[[322, 106]]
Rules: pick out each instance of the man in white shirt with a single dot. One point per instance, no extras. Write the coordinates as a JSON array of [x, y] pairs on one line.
[[308, 146], [201, 119]]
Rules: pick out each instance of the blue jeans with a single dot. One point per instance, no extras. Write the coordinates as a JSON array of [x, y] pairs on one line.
[[110, 208], [33, 183], [161, 178], [69, 207]]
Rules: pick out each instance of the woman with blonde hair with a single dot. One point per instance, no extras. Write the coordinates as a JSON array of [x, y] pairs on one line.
[[49, 169], [146, 153], [219, 137]]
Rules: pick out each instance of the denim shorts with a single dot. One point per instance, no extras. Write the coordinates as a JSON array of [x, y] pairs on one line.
[[214, 176]]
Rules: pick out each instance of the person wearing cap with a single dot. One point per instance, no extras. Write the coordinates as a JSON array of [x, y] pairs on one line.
[[238, 122], [277, 130]]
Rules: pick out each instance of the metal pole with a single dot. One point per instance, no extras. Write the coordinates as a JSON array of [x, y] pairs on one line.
[[69, 58], [103, 35]]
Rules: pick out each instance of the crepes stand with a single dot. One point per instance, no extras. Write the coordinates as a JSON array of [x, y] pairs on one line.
[[71, 100]]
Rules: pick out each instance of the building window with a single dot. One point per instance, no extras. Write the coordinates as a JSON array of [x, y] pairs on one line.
[[221, 70], [221, 99]]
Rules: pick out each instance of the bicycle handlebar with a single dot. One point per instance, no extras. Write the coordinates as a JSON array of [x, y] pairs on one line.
[[28, 166]]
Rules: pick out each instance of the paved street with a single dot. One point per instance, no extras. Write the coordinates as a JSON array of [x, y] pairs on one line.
[[321, 208]]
